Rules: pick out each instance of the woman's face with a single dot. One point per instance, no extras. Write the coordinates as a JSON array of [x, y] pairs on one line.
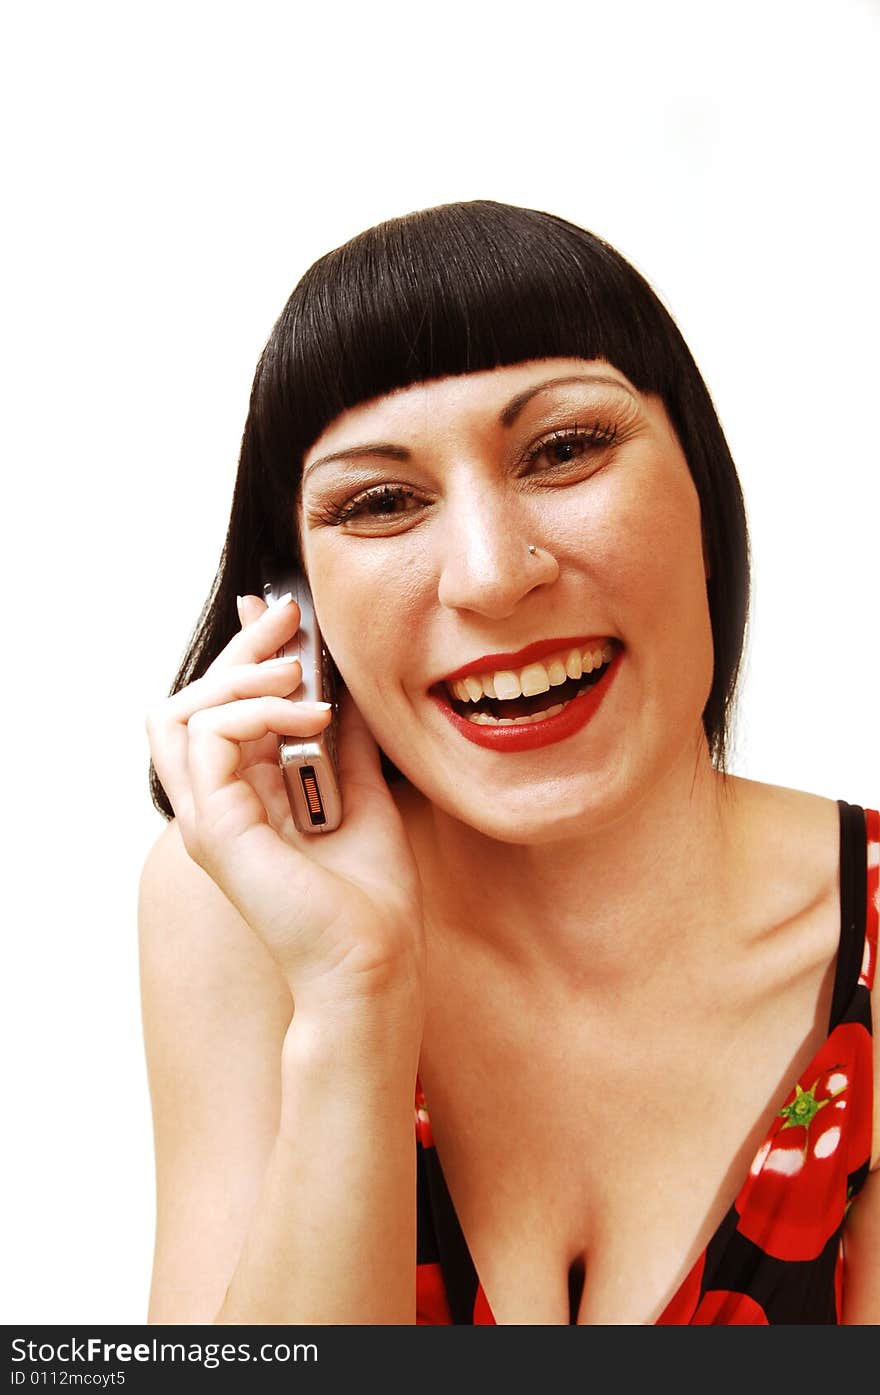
[[415, 538]]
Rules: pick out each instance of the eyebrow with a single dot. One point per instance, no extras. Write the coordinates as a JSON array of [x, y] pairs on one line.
[[506, 418], [514, 407]]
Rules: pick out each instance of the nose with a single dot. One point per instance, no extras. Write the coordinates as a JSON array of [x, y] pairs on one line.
[[486, 565]]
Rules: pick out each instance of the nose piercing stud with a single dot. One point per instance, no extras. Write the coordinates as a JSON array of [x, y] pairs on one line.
[[532, 549]]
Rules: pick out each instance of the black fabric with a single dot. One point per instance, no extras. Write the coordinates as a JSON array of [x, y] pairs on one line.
[[853, 909], [440, 1238], [789, 1291]]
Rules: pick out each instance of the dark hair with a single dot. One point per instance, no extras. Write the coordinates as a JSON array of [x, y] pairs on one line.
[[458, 289]]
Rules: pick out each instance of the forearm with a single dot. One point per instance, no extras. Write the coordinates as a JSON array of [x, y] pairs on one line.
[[333, 1235]]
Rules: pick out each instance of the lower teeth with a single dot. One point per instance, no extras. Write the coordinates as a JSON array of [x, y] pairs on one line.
[[484, 720]]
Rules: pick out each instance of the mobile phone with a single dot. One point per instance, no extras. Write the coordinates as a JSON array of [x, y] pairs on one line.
[[309, 765]]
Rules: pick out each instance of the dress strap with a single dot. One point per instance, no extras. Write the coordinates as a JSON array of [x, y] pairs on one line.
[[872, 831], [855, 922]]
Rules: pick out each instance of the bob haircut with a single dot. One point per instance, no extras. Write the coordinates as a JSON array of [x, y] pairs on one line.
[[455, 289]]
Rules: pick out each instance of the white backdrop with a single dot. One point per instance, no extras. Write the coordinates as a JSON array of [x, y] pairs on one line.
[[172, 171]]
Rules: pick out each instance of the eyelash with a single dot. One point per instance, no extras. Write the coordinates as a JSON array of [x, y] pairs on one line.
[[335, 514]]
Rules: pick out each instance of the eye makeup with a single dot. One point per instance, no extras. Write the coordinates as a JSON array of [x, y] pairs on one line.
[[581, 438], [380, 502]]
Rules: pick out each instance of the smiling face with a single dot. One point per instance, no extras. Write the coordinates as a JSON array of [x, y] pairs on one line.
[[415, 538]]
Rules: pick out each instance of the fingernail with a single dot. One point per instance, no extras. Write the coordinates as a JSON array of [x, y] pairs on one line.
[[282, 600], [278, 663], [238, 601], [321, 706]]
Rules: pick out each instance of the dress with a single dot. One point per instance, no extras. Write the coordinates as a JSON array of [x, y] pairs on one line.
[[777, 1256]]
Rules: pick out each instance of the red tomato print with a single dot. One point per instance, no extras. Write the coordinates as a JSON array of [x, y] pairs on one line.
[[432, 1307], [796, 1192]]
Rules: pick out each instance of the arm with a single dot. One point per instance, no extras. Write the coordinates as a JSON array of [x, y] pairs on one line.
[[285, 1153]]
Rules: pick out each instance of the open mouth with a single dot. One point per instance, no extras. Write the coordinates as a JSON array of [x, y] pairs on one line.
[[521, 710]]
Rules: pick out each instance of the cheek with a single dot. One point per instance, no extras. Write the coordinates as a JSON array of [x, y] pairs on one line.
[[651, 546], [646, 550], [367, 626]]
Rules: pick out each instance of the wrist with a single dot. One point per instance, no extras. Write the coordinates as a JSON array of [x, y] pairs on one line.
[[360, 998], [349, 1071], [374, 1036]]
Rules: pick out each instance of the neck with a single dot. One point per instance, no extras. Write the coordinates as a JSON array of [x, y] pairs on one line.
[[648, 883]]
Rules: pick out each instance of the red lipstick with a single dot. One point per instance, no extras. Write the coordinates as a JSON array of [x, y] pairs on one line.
[[492, 662], [529, 736]]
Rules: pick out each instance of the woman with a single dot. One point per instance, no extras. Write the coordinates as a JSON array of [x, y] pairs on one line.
[[627, 992]]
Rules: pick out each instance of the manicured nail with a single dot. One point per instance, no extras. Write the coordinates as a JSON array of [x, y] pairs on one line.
[[279, 663], [282, 600], [320, 706], [238, 601]]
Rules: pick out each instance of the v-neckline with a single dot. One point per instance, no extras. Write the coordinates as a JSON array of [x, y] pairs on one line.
[[728, 1220]]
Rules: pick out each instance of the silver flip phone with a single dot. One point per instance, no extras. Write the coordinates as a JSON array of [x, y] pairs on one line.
[[309, 765]]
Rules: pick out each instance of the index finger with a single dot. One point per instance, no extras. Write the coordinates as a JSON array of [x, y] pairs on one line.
[[263, 636]]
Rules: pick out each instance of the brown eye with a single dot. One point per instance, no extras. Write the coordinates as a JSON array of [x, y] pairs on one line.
[[561, 452], [379, 504], [571, 445]]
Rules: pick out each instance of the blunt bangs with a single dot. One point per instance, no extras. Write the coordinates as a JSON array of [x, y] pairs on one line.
[[455, 289]]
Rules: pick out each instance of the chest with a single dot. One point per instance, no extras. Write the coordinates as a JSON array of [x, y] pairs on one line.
[[589, 1162]]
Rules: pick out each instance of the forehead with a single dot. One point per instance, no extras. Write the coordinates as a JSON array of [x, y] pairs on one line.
[[490, 391]]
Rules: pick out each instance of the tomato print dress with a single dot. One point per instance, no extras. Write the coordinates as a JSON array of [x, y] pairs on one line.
[[778, 1255]]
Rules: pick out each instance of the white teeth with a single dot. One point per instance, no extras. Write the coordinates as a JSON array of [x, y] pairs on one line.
[[533, 678], [557, 673], [484, 720], [506, 684], [573, 666]]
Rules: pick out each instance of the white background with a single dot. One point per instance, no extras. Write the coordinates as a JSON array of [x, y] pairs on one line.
[[171, 170]]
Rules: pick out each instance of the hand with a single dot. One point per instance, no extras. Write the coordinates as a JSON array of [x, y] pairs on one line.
[[341, 912]]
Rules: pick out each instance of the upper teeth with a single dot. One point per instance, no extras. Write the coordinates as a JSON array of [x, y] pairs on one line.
[[533, 678]]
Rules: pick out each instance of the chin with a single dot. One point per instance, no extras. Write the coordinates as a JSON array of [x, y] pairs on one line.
[[538, 813]]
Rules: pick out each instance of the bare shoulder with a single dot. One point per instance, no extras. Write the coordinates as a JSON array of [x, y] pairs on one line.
[[215, 1012], [801, 833], [792, 837], [791, 817]]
